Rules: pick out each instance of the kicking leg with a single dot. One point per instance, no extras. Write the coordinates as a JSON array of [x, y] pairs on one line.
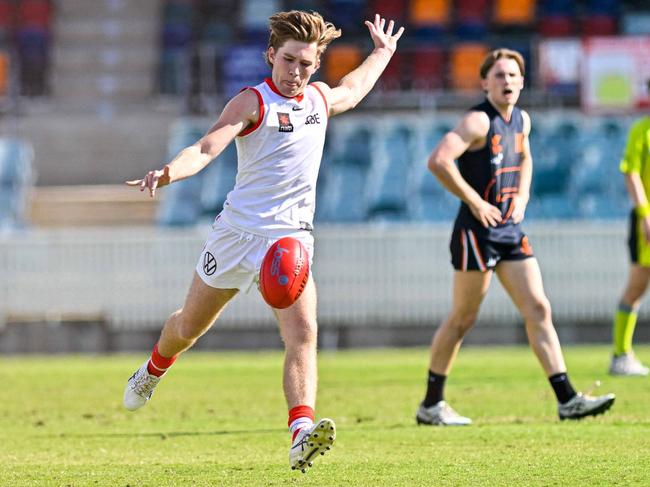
[[202, 307]]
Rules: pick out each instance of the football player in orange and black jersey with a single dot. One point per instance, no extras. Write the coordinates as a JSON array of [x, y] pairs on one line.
[[492, 180]]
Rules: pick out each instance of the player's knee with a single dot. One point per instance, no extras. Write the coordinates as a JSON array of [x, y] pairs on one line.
[[538, 311], [462, 321], [185, 329], [300, 332]]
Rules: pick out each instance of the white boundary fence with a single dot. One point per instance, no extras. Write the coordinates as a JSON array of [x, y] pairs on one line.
[[366, 275]]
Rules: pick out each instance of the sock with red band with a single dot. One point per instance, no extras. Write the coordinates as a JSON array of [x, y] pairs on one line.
[[300, 417], [158, 364]]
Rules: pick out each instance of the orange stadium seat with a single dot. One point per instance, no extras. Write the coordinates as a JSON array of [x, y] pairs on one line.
[[340, 59], [464, 62], [514, 12], [423, 13], [4, 73]]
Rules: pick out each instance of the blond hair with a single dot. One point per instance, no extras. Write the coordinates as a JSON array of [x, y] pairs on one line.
[[300, 26], [497, 54]]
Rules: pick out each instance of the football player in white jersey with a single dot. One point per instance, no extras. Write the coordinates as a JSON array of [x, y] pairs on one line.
[[279, 127]]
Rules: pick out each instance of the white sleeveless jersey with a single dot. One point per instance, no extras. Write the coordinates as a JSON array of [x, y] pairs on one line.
[[278, 162]]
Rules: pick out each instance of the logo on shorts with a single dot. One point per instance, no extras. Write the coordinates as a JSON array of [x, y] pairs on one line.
[[209, 264], [285, 122]]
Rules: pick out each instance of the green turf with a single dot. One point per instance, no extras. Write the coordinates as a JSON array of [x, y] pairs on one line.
[[220, 419]]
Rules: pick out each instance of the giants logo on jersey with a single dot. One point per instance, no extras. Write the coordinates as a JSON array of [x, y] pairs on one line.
[[284, 122]]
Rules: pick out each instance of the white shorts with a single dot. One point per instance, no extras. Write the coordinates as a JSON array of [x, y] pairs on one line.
[[231, 258]]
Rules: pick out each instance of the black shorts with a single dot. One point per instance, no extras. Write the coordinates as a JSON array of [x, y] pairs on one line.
[[472, 252]]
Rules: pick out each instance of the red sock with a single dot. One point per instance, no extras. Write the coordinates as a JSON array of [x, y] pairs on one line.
[[299, 417], [158, 364]]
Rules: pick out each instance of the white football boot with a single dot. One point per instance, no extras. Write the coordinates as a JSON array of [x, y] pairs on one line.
[[583, 405], [627, 364], [440, 414], [309, 442], [139, 388]]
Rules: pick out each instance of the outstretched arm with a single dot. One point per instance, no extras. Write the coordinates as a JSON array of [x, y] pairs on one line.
[[471, 129], [241, 111], [355, 85]]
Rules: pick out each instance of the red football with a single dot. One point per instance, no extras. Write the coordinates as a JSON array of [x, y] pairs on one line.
[[284, 272]]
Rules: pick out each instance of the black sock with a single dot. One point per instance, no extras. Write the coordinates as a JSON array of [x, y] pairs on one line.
[[561, 384], [435, 388]]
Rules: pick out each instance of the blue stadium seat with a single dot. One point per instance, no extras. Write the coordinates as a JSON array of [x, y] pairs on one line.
[[181, 203], [218, 180], [16, 179], [346, 178], [390, 177]]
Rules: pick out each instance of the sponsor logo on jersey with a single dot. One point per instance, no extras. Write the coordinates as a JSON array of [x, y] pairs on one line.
[[296, 108], [312, 119], [285, 122]]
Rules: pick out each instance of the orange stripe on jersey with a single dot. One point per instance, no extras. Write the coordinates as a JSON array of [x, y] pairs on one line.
[[507, 169], [260, 117], [508, 213], [519, 143], [486, 194]]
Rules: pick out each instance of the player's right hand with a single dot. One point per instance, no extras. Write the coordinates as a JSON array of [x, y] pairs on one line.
[[489, 215], [152, 180]]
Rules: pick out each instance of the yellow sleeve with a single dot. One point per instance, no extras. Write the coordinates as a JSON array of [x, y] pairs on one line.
[[632, 157]]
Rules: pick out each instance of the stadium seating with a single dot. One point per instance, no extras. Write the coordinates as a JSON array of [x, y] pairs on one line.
[[375, 170], [464, 61], [340, 59], [16, 180], [429, 19], [427, 68], [514, 13]]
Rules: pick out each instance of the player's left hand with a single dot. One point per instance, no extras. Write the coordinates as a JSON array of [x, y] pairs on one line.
[[518, 208], [384, 39]]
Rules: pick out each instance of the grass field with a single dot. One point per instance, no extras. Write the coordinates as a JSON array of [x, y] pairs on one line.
[[219, 419]]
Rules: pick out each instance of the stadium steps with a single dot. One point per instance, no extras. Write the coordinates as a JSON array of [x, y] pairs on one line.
[[105, 52], [94, 205], [80, 148]]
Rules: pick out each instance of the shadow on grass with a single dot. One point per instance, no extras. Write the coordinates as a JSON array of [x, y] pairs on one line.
[[172, 434]]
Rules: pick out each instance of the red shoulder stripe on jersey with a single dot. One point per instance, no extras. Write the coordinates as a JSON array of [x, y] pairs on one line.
[[260, 116], [327, 107]]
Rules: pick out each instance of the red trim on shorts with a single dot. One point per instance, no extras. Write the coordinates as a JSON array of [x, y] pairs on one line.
[[275, 90], [260, 116], [327, 107]]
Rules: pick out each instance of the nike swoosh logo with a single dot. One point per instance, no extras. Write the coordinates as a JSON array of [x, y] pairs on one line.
[[296, 109]]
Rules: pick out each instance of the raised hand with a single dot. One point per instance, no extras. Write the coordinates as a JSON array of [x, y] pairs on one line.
[[384, 39], [152, 180]]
